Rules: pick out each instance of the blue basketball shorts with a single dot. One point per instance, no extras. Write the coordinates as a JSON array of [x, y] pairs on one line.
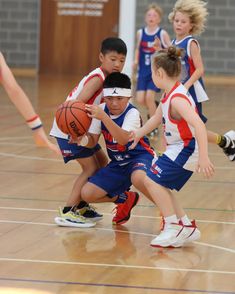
[[167, 173], [116, 179], [73, 151], [145, 83]]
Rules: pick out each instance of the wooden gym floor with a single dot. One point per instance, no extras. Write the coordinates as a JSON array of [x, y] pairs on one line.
[[36, 256]]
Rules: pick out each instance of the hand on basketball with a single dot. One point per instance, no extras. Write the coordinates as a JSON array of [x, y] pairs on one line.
[[41, 140], [95, 111], [206, 167]]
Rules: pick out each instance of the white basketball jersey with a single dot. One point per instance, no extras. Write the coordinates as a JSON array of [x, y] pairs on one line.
[[182, 147], [95, 99]]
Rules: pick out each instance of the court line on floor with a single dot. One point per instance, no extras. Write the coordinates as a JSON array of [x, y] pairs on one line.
[[138, 205], [59, 160], [141, 267], [115, 286], [110, 214], [114, 230]]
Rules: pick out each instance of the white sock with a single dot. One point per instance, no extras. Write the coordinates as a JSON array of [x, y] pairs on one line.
[[185, 220], [171, 219]]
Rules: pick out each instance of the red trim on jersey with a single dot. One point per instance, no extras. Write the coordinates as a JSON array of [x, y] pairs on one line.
[[173, 88], [146, 147], [182, 125], [98, 92]]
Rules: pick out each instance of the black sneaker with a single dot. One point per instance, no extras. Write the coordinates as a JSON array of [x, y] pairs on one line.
[[229, 148], [90, 213]]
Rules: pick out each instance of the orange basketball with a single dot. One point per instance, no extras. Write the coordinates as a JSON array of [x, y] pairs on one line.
[[72, 119]]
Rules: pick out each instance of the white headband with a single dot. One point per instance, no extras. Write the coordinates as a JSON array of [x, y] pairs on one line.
[[117, 92]]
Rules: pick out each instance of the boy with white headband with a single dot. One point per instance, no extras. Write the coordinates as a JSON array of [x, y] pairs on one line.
[[115, 119]]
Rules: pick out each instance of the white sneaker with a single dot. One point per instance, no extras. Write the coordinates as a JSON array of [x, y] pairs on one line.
[[73, 219], [191, 233], [229, 148], [195, 233], [172, 235]]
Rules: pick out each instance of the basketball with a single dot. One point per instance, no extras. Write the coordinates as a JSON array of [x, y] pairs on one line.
[[72, 119]]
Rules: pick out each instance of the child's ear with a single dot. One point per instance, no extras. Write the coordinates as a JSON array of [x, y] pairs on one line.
[[101, 57]]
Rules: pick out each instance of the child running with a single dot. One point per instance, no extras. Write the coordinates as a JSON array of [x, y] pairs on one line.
[[115, 119], [146, 90], [186, 151], [189, 18]]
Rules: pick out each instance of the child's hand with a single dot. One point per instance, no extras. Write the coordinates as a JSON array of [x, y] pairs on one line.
[[95, 111], [41, 140], [133, 136], [206, 167], [80, 141], [157, 44]]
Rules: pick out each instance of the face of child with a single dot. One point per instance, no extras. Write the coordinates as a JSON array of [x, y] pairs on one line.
[[152, 18], [116, 104], [112, 62], [182, 25]]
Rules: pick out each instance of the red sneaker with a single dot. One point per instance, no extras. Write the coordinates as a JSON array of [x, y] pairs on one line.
[[123, 210]]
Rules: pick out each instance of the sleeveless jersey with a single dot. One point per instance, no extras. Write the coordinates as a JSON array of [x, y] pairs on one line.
[[182, 147], [146, 49], [197, 90], [95, 99], [120, 154]]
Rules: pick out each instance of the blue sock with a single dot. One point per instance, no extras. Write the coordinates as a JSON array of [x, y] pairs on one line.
[[121, 198]]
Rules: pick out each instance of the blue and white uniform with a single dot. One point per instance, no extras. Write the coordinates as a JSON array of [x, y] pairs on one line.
[[73, 151], [176, 165], [115, 178], [197, 91], [146, 50]]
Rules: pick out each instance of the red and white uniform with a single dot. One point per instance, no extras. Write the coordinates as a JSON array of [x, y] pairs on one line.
[[95, 99], [182, 147]]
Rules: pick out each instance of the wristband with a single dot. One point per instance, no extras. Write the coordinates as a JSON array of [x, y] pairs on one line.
[[84, 141], [34, 122]]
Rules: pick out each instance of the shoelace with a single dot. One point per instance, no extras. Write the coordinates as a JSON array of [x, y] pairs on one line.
[[118, 208]]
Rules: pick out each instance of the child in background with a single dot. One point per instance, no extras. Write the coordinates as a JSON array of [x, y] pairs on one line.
[[186, 151], [89, 90], [188, 18], [24, 106], [114, 119], [145, 89]]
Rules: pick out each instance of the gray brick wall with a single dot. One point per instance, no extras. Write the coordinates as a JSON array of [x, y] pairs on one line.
[[19, 32], [217, 42]]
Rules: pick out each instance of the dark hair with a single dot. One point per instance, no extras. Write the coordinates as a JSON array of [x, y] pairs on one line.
[[168, 59], [113, 44], [118, 80]]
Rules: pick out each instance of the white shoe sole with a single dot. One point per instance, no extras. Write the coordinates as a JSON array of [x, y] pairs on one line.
[[66, 223]]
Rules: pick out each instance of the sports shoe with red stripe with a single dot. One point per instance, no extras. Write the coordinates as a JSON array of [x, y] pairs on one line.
[[123, 210]]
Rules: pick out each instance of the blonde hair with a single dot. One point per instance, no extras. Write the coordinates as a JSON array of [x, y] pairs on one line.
[[155, 7], [197, 12], [169, 59]]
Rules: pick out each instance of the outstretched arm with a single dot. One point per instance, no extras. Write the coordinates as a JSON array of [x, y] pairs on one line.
[[24, 106]]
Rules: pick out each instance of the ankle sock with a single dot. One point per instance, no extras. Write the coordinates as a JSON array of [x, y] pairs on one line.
[[121, 198], [82, 204], [221, 141], [172, 219], [185, 220]]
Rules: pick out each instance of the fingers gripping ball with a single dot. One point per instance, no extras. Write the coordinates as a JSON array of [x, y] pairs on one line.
[[72, 118]]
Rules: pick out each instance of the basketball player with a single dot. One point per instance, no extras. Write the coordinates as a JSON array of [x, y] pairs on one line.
[[89, 90], [24, 106], [114, 119], [189, 18], [187, 149], [146, 90]]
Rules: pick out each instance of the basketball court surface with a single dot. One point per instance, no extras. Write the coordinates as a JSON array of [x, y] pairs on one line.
[[38, 257]]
